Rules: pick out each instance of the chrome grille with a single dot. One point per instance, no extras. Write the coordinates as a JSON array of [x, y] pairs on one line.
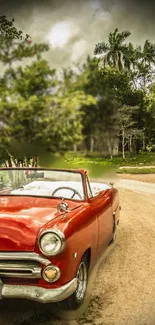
[[21, 265]]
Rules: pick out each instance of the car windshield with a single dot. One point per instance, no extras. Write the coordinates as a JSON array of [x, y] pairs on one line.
[[41, 182]]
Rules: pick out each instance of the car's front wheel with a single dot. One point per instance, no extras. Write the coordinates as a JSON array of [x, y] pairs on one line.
[[77, 298]]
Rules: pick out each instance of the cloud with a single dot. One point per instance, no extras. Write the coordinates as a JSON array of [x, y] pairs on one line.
[[90, 21]]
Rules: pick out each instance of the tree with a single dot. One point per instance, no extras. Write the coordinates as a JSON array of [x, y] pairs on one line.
[[128, 129], [148, 54], [49, 122], [145, 63], [150, 118], [84, 107], [115, 53], [112, 88], [14, 46], [35, 79], [34, 116], [8, 30]]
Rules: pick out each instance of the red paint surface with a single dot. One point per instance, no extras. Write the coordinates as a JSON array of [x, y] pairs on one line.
[[22, 219]]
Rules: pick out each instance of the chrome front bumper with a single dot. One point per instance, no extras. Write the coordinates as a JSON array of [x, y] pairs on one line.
[[37, 293]]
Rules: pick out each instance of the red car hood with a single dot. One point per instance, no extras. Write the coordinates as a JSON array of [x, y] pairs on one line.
[[21, 218]]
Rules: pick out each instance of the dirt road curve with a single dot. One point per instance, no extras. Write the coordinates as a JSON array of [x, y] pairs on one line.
[[124, 290], [141, 187], [140, 177]]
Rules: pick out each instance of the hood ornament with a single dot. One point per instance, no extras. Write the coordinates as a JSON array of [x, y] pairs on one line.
[[62, 207]]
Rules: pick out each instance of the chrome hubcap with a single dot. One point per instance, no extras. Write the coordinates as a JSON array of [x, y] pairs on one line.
[[82, 281], [114, 235], [115, 231]]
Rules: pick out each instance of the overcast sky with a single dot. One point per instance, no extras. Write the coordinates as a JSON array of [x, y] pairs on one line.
[[74, 27]]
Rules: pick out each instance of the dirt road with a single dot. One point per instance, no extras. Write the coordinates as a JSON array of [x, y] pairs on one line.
[[140, 177], [136, 186], [124, 290]]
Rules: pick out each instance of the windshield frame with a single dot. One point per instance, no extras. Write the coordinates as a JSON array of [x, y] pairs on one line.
[[48, 169]]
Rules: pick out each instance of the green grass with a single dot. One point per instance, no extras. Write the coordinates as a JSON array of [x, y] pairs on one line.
[[99, 166], [136, 171], [145, 159], [137, 160]]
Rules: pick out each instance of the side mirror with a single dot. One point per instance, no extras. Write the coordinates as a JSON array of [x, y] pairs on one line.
[[96, 191], [111, 184]]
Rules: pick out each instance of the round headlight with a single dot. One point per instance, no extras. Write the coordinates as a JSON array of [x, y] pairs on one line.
[[51, 242]]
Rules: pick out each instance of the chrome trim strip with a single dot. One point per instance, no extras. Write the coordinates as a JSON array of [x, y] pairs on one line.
[[23, 273], [37, 293], [5, 256]]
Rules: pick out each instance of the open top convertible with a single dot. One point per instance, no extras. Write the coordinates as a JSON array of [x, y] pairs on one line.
[[54, 224]]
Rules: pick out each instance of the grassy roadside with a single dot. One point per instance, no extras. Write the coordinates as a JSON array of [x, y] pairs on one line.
[[99, 166], [143, 163], [142, 159], [136, 170]]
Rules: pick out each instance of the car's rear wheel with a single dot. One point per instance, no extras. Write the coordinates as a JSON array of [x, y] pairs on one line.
[[77, 298], [114, 235], [116, 222]]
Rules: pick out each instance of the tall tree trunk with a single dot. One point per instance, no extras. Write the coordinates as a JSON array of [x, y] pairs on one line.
[[110, 147], [144, 144], [9, 162], [91, 144], [27, 162], [123, 143], [144, 81], [75, 148], [85, 152], [34, 162], [130, 143]]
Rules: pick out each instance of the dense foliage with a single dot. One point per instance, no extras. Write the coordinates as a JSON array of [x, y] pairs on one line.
[[107, 105]]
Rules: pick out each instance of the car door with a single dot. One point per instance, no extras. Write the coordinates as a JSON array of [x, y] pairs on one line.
[[102, 205]]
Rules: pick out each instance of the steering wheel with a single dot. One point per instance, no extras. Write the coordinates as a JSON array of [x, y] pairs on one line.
[[67, 188]]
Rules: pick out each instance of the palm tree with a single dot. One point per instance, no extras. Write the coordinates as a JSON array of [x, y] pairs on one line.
[[115, 53], [146, 61], [148, 54]]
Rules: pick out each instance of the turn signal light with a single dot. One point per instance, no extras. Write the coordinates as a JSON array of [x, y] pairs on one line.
[[51, 273]]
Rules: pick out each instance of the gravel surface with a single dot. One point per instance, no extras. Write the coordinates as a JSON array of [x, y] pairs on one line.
[[143, 177], [136, 186], [122, 285]]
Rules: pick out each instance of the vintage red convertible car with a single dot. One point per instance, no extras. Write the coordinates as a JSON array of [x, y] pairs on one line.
[[54, 223]]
